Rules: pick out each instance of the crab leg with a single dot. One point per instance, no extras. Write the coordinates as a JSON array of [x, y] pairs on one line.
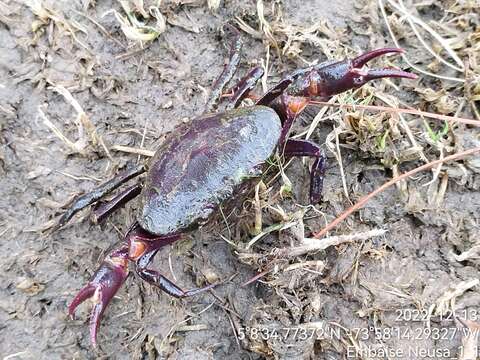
[[101, 211], [317, 173], [96, 194], [142, 249], [228, 71], [241, 90], [155, 278], [274, 92]]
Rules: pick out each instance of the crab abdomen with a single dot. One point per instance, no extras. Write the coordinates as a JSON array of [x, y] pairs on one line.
[[200, 166]]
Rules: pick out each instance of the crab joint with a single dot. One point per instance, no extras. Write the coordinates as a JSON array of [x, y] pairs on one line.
[[136, 249], [296, 104]]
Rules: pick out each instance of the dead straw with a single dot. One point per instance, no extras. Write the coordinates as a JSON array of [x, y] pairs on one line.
[[389, 183], [401, 111]]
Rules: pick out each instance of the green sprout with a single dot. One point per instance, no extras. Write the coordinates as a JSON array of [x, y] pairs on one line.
[[437, 135], [382, 141]]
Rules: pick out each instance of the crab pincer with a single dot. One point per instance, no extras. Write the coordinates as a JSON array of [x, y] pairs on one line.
[[371, 74], [102, 287], [330, 78]]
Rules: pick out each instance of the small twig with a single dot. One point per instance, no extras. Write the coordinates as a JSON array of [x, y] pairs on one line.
[[258, 276], [196, 327], [402, 111], [389, 183], [311, 245]]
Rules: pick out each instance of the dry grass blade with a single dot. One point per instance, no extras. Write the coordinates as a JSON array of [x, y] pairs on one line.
[[338, 156], [401, 8], [16, 355], [394, 39], [472, 253], [446, 303], [82, 120], [45, 14], [268, 230], [101, 28], [264, 25], [404, 124], [258, 209], [318, 118], [316, 265], [132, 150], [460, 68], [77, 147], [247, 28], [135, 30], [213, 4], [5, 11], [403, 111], [181, 323], [361, 203]]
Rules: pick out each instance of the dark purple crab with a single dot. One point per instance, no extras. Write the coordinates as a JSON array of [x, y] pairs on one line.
[[201, 165]]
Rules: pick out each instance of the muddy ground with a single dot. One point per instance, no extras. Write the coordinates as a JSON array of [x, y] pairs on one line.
[[134, 95]]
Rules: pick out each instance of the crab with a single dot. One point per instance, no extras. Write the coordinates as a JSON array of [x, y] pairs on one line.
[[202, 164]]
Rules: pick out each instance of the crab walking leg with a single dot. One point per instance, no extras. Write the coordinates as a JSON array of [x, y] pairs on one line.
[[275, 91], [93, 196], [227, 73], [155, 278], [242, 89], [317, 173], [142, 249], [102, 287], [103, 210]]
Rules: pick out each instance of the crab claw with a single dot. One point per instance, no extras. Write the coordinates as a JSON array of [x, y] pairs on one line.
[[328, 79], [103, 285], [370, 74], [362, 60]]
